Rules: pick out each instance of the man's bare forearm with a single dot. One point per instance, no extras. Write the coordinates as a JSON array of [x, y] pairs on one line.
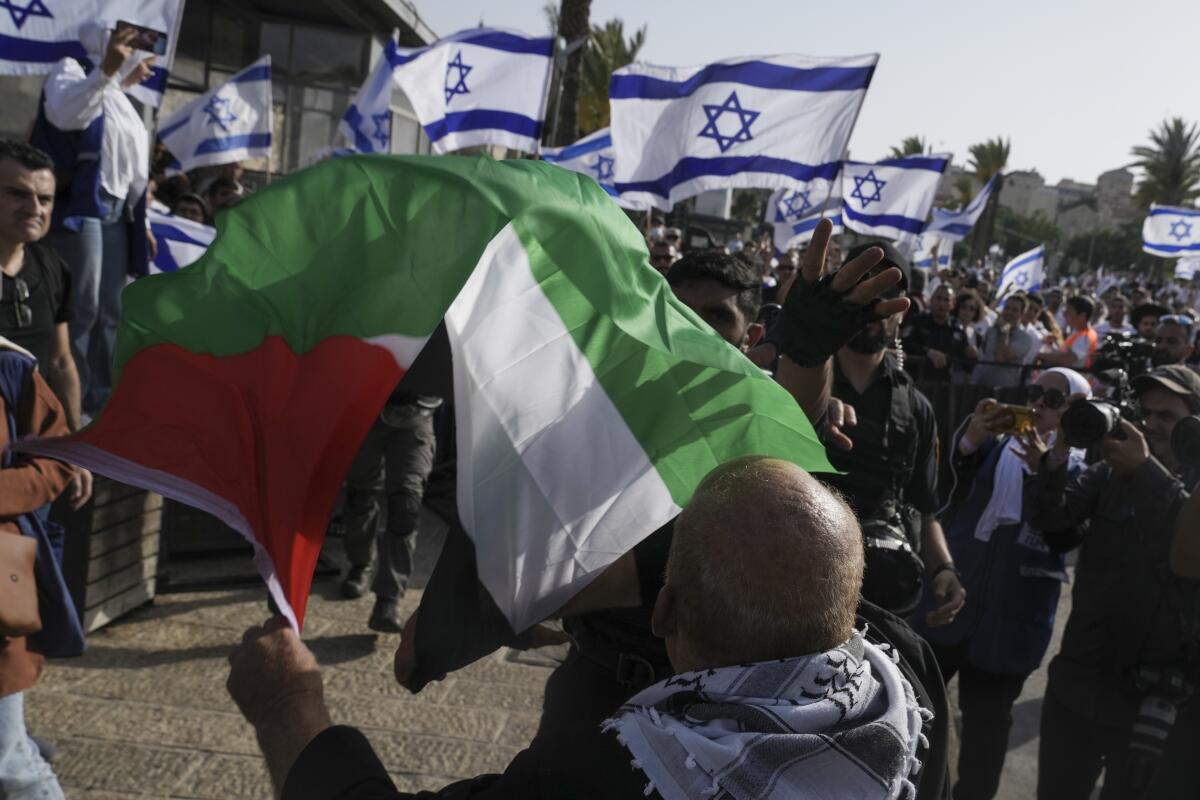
[[811, 386], [64, 381], [934, 550]]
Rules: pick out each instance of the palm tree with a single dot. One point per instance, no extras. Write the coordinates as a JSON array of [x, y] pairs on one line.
[[911, 146], [608, 50], [988, 159], [1170, 165], [572, 19], [964, 187]]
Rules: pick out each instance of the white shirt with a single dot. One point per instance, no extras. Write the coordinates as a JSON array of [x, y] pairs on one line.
[[75, 99], [1106, 327]]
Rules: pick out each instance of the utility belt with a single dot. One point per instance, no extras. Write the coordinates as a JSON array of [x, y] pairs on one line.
[[630, 669]]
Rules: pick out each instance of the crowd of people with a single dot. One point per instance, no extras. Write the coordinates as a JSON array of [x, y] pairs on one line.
[[787, 634]]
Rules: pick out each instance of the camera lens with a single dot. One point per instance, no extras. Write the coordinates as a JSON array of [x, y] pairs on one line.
[[1185, 441], [1087, 422]]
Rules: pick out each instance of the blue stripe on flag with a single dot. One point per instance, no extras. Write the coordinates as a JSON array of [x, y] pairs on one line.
[[164, 230], [511, 43], [1173, 211], [167, 131], [958, 229], [579, 149], [898, 221], [353, 117], [1036, 255], [1175, 248], [483, 119], [914, 162], [157, 81], [262, 73], [804, 226], [689, 168], [750, 73], [233, 143], [13, 48]]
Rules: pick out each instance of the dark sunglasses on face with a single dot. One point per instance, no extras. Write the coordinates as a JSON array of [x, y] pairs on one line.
[[22, 313], [1052, 398]]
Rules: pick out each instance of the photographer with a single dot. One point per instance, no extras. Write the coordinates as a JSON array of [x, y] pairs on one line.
[[880, 432], [1127, 650]]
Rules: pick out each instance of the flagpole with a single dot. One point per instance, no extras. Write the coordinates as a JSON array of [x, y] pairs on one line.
[[546, 97]]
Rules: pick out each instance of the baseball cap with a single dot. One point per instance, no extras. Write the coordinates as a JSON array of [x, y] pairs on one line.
[[1175, 378], [891, 257]]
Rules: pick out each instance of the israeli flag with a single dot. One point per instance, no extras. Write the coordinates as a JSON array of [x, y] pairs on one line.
[[928, 250], [1187, 268], [180, 241], [37, 34], [771, 122], [229, 123], [1171, 232], [484, 86], [795, 212], [592, 156], [1024, 273], [891, 198], [367, 124], [955, 225]]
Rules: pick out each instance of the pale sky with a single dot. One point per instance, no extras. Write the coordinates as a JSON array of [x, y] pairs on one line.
[[1074, 83]]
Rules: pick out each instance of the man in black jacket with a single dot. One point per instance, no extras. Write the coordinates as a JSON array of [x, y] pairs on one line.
[[758, 616]]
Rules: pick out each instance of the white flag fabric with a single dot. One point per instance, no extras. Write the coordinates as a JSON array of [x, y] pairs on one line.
[[955, 225], [592, 156], [769, 122], [1024, 273], [37, 34], [1187, 268], [229, 123], [1171, 232], [484, 86], [926, 248], [367, 124], [795, 212], [891, 198], [180, 241]]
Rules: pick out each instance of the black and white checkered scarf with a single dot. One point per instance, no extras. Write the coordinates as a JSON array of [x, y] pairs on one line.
[[843, 723]]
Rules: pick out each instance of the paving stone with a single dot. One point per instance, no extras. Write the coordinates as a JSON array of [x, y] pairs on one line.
[[495, 670], [432, 755], [221, 777], [359, 684], [208, 731], [519, 730], [411, 716], [501, 696], [123, 767], [74, 793], [168, 686], [48, 713]]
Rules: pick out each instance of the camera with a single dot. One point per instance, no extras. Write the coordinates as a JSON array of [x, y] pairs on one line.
[[1185, 441], [893, 577], [1124, 351], [1086, 422]]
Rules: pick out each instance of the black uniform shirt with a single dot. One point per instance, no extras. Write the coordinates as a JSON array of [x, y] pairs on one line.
[[922, 333], [867, 471]]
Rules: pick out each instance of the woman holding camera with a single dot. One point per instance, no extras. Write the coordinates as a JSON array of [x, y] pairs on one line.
[[1012, 576]]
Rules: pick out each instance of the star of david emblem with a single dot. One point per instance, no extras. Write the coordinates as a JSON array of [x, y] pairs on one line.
[[789, 208], [1181, 229], [712, 130], [603, 168], [870, 178], [20, 13], [460, 83], [383, 127], [219, 113], [1021, 279]]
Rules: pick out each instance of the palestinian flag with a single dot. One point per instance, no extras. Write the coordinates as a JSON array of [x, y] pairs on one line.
[[589, 401]]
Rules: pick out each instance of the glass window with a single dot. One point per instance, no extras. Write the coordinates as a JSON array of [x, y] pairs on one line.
[[275, 40], [191, 51], [233, 42], [328, 57]]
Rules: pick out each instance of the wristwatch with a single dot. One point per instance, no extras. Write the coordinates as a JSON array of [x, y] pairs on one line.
[[949, 565]]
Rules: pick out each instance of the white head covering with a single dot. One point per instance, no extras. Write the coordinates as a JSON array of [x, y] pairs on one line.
[[1076, 383], [94, 38]]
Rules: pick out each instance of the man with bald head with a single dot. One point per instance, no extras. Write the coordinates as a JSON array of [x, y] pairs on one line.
[[771, 679]]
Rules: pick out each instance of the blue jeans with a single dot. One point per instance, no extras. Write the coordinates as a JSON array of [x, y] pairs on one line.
[[98, 256], [24, 774]]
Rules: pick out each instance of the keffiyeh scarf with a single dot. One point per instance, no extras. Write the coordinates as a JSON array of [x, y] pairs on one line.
[[843, 723]]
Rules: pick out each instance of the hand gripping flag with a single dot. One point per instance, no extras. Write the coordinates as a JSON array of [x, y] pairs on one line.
[[229, 123], [955, 225], [367, 124], [891, 198], [37, 34], [590, 402], [1024, 273], [1171, 232], [770, 122], [180, 241], [478, 87]]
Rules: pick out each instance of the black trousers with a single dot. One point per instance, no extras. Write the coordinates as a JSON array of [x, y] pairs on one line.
[[986, 700], [1072, 752]]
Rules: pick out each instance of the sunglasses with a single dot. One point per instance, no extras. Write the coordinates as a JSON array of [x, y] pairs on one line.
[[22, 313], [1053, 399]]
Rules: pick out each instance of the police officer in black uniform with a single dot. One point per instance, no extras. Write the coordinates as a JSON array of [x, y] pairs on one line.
[[936, 338]]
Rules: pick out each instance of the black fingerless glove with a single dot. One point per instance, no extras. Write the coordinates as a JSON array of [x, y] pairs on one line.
[[817, 321]]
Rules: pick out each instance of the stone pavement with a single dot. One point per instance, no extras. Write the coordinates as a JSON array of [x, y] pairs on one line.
[[145, 714]]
